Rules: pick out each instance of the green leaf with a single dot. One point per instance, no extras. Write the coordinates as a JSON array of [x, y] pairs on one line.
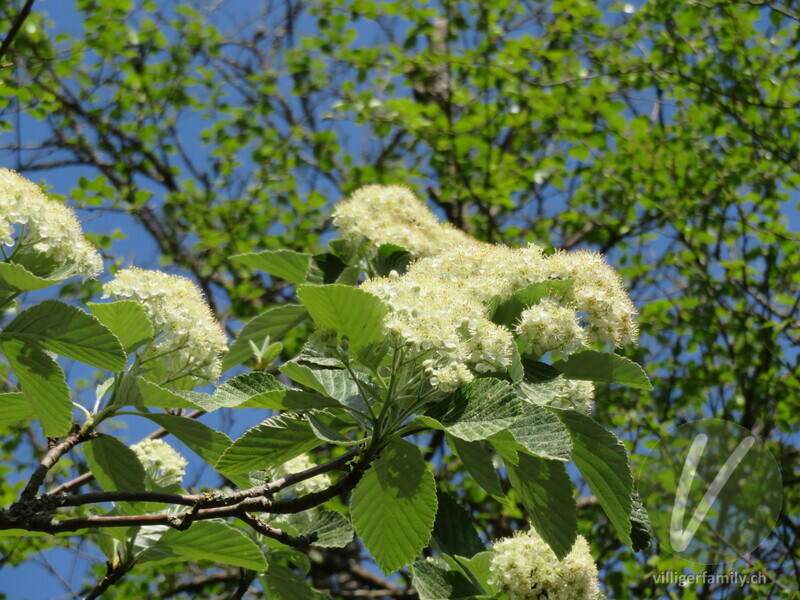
[[16, 278], [262, 390], [329, 430], [435, 583], [14, 407], [154, 396], [602, 460], [285, 584], [507, 312], [269, 444], [127, 320], [394, 506], [206, 540], [114, 465], [641, 531], [43, 384], [333, 529], [547, 495], [453, 531], [70, 332], [392, 258], [478, 410], [603, 367], [325, 268], [286, 264], [540, 432], [335, 383], [477, 461], [347, 310], [209, 444], [273, 323]]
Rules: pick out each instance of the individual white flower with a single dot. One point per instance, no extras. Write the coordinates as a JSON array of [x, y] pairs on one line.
[[192, 340], [392, 214], [525, 568], [296, 465], [161, 462], [550, 326], [46, 226]]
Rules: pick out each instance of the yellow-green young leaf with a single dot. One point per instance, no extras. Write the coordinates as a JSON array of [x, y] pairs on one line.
[[604, 367], [14, 407], [394, 506], [602, 460], [546, 492], [127, 320], [206, 540], [16, 278], [115, 466], [269, 444], [349, 311], [273, 323], [286, 264], [43, 383], [70, 332]]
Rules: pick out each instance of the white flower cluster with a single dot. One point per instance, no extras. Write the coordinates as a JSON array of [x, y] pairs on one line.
[[392, 214], [193, 340], [45, 226], [161, 462], [309, 486], [599, 293], [443, 303], [525, 568], [433, 315], [550, 326], [296, 465]]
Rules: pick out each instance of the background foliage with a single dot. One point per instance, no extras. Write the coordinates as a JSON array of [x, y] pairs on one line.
[[664, 134]]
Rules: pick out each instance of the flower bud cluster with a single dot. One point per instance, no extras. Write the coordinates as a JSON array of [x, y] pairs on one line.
[[297, 465], [392, 214], [193, 340], [161, 462], [525, 568], [45, 226]]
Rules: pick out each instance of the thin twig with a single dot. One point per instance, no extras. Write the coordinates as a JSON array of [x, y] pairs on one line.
[[113, 574]]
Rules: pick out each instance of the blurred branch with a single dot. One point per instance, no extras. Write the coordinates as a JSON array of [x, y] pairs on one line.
[[15, 27]]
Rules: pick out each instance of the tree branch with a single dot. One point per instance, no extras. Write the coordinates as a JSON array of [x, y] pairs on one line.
[[15, 27], [113, 574], [50, 459]]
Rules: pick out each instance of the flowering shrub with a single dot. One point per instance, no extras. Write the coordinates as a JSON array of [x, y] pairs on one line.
[[417, 328]]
